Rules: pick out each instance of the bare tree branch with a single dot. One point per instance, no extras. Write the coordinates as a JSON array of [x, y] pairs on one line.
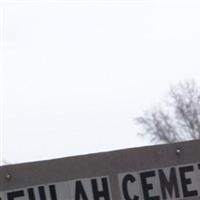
[[179, 120]]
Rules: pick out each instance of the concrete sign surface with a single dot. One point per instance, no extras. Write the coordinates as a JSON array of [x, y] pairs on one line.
[[162, 172]]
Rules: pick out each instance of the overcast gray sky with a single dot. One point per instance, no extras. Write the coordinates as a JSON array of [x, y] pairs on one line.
[[74, 74]]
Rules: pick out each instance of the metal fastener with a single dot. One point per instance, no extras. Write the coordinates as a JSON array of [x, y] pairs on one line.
[[8, 176], [178, 152]]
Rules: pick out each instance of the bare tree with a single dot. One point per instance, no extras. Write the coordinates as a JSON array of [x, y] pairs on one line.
[[178, 119]]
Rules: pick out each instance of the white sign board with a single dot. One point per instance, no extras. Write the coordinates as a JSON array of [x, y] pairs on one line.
[[174, 182], [120, 175], [88, 188]]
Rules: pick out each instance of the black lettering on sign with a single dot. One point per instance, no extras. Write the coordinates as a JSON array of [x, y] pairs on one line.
[[15, 194], [31, 194], [104, 193], [128, 178], [186, 181], [52, 190], [42, 193], [168, 185], [80, 193], [146, 187]]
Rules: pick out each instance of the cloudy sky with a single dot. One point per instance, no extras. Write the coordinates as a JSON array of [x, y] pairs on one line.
[[74, 74]]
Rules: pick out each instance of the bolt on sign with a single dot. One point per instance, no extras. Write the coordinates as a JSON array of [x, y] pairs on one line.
[[162, 172]]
